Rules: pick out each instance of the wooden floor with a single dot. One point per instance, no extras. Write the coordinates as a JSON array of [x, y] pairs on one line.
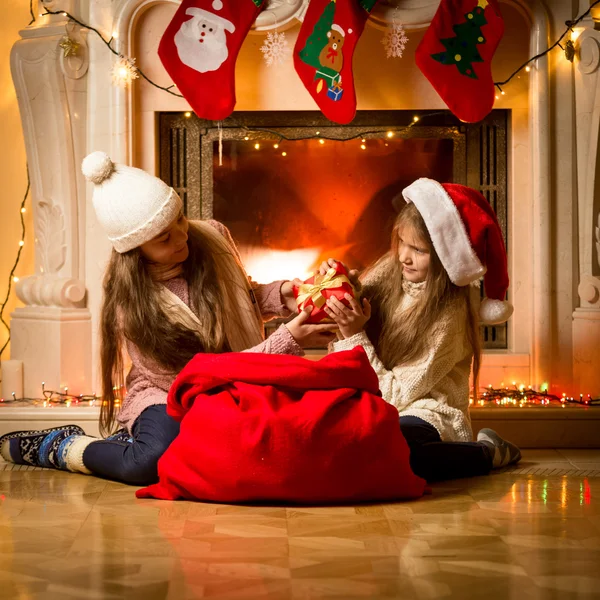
[[530, 533]]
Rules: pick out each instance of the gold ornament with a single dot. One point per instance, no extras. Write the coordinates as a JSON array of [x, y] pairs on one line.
[[69, 46], [482, 4], [570, 51]]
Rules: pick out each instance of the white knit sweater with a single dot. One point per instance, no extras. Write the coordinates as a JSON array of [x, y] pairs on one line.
[[434, 387]]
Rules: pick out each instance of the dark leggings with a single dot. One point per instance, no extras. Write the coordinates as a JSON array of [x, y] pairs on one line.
[[434, 460], [134, 462]]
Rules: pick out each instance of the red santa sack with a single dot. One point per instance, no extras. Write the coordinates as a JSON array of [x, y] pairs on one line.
[[264, 427]]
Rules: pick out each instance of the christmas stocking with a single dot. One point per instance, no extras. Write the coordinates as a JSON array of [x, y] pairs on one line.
[[200, 47], [324, 50], [456, 54]]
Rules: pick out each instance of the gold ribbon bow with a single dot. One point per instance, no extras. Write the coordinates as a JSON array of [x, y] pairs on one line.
[[313, 291]]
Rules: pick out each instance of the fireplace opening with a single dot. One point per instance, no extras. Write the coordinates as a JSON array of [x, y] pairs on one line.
[[295, 189], [292, 205]]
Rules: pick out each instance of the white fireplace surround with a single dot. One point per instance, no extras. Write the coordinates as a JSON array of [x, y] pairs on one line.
[[69, 107]]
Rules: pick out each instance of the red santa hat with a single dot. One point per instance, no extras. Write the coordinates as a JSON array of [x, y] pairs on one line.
[[467, 238]]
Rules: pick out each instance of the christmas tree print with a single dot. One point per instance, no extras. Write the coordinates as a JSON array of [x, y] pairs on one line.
[[461, 50], [317, 40], [367, 4]]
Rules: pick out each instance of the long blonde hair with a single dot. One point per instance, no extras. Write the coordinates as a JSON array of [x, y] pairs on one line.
[[132, 310], [402, 336]]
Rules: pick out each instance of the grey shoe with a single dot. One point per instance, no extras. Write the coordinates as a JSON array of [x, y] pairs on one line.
[[503, 452]]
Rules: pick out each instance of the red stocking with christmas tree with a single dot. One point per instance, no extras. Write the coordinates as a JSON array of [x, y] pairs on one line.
[[456, 54], [324, 51], [200, 47]]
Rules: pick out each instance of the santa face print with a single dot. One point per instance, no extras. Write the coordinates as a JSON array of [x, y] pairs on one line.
[[201, 42]]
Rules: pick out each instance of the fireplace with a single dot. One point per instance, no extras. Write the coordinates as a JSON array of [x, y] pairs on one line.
[[294, 189]]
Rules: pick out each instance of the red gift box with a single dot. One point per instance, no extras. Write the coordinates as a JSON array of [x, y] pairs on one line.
[[317, 289]]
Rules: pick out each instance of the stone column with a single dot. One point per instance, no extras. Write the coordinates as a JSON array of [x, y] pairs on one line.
[[51, 334], [586, 318]]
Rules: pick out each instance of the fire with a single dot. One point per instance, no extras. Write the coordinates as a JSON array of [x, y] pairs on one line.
[[265, 266]]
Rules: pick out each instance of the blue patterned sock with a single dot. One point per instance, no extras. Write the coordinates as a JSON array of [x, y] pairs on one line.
[[36, 448], [122, 436], [63, 448]]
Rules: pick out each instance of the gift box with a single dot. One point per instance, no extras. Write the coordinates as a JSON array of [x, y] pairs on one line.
[[335, 92], [317, 289]]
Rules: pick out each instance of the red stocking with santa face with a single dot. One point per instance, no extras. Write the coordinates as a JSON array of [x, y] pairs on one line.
[[200, 47], [324, 51], [456, 54]]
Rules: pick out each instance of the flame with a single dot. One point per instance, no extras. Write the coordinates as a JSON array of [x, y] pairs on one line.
[[265, 266]]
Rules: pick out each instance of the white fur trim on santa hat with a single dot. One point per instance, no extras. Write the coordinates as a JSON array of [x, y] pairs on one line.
[[494, 312], [447, 230], [337, 28]]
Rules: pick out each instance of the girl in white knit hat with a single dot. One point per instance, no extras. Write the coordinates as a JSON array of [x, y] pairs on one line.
[[421, 331], [172, 288]]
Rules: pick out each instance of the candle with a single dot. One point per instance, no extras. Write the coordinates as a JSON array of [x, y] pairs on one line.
[[12, 378]]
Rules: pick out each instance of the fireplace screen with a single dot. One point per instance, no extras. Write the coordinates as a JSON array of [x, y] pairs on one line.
[[295, 195]]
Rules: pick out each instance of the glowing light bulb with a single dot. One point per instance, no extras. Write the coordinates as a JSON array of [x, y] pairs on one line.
[[390, 134], [257, 146], [284, 154], [275, 146], [23, 210], [527, 68], [15, 279], [21, 243], [188, 114], [363, 147], [246, 138], [321, 141], [415, 119]]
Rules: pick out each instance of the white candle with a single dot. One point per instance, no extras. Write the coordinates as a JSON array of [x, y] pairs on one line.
[[12, 378]]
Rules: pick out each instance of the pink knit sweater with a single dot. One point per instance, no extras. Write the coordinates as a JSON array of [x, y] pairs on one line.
[[148, 383]]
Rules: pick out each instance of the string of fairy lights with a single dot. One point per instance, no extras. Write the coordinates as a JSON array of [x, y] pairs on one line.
[[519, 395], [50, 398], [125, 71], [516, 395]]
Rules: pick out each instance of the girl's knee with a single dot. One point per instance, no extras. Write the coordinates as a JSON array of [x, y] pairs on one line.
[[141, 472]]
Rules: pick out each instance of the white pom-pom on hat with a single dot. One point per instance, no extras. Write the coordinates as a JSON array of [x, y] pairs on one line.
[[494, 312], [97, 167]]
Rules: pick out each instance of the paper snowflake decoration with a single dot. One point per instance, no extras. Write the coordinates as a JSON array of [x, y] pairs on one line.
[[275, 48], [395, 41], [124, 71]]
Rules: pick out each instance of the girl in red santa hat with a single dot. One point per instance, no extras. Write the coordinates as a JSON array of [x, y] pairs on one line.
[[172, 288], [420, 329]]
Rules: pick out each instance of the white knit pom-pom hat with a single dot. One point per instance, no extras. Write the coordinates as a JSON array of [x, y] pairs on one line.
[[132, 206]]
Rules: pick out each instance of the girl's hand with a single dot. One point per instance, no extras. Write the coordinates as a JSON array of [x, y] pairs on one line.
[[350, 320], [309, 335], [331, 262], [287, 294]]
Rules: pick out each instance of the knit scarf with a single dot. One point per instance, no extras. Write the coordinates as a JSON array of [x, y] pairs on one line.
[[243, 327]]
